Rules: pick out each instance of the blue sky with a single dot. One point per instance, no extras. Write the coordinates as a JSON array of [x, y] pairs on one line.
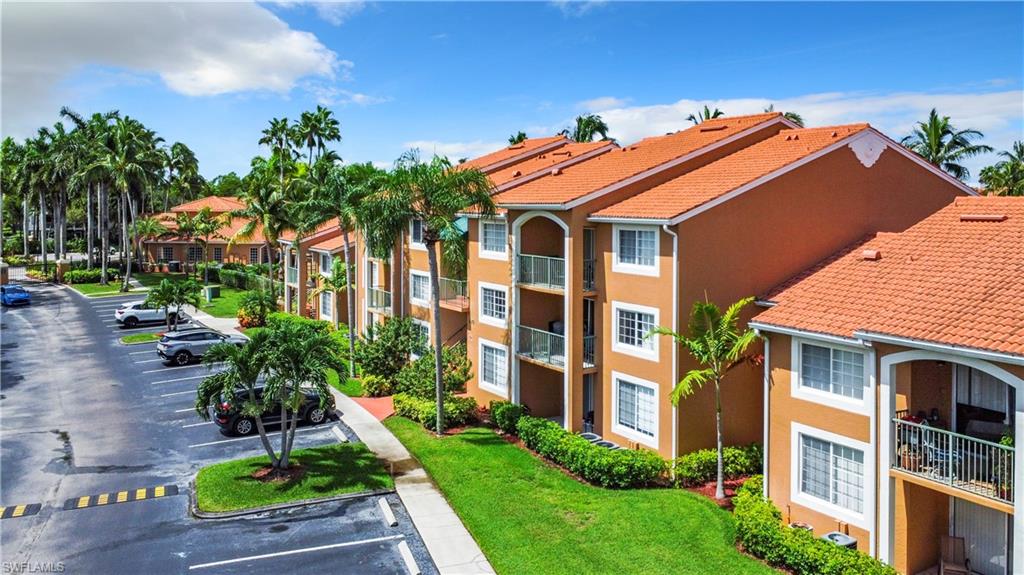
[[458, 78]]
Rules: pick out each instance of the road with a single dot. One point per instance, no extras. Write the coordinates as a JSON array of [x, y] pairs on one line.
[[82, 415]]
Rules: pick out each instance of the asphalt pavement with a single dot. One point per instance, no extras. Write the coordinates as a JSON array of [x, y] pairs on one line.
[[85, 419]]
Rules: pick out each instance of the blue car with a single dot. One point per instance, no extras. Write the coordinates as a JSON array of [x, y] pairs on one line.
[[13, 294]]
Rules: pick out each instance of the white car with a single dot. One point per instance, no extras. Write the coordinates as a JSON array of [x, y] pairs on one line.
[[133, 313]]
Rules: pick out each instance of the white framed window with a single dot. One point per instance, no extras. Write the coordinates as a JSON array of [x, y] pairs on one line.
[[254, 255], [167, 253], [195, 254], [419, 288], [630, 325], [831, 473], [635, 250], [416, 235], [218, 254], [326, 263], [493, 371], [326, 305], [424, 327], [493, 304], [493, 240], [635, 408], [834, 375]]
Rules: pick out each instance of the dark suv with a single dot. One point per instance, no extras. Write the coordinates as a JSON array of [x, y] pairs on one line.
[[230, 418]]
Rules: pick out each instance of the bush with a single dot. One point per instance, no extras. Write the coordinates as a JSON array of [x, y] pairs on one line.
[[255, 306], [597, 465], [76, 245], [389, 347], [376, 386], [701, 466], [18, 260], [458, 411], [279, 317], [418, 377], [759, 528], [506, 415], [89, 276], [214, 268]]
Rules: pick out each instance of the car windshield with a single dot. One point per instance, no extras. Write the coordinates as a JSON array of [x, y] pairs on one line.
[[15, 289]]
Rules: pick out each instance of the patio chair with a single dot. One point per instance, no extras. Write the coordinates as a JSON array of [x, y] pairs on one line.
[[954, 557]]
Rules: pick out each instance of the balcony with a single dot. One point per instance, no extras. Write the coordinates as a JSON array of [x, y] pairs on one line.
[[541, 346], [453, 294], [378, 300], [291, 275], [541, 271], [958, 461], [589, 342], [589, 283]]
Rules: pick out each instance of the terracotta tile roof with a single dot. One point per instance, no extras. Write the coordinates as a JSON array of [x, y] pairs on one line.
[[546, 161], [706, 183], [167, 219], [581, 179], [331, 224], [217, 204], [332, 244], [512, 151], [955, 278]]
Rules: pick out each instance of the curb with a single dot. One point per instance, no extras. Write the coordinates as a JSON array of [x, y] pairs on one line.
[[193, 506]]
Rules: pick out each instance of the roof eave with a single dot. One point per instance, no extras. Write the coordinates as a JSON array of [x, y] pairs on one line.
[[978, 353]]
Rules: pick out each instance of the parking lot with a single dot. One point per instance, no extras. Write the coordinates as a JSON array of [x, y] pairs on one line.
[[120, 427]]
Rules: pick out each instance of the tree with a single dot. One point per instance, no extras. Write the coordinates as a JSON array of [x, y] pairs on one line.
[[942, 145], [266, 208], [704, 115], [147, 228], [588, 126], [435, 193], [163, 295], [186, 292], [791, 116], [1006, 178], [182, 172], [206, 225], [336, 282], [715, 340], [517, 138]]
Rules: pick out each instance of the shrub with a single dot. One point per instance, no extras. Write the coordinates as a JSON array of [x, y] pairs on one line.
[[376, 386], [214, 268], [457, 410], [701, 466], [18, 260], [389, 347], [597, 465], [418, 377], [76, 245], [88, 276], [255, 306], [506, 415], [278, 318], [759, 528]]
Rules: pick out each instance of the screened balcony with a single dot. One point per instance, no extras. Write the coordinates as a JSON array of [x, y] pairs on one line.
[[378, 300], [541, 346], [541, 271], [453, 294]]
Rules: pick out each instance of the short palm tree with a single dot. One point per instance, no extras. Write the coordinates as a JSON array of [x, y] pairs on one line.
[[1006, 178], [588, 127], [718, 344], [333, 284], [206, 225], [791, 116], [704, 115], [147, 229], [941, 144], [163, 295], [185, 293], [517, 138]]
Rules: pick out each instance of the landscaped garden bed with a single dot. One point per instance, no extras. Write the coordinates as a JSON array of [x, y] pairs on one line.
[[136, 338]]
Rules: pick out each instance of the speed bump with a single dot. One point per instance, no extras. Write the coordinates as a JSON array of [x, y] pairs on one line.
[[125, 496], [12, 511]]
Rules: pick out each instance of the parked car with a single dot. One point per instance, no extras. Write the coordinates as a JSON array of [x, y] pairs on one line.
[[14, 294], [231, 420], [133, 313], [181, 347]]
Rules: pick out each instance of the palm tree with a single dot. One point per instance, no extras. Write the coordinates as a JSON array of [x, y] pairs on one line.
[[435, 193], [1006, 177], [587, 127], [517, 138], [147, 228], [717, 343], [206, 225], [336, 282], [791, 116], [182, 171], [279, 137], [163, 296], [186, 292], [941, 144], [704, 115], [266, 209]]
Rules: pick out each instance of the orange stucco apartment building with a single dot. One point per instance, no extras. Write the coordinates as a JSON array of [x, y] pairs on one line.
[[892, 387], [309, 259], [174, 248]]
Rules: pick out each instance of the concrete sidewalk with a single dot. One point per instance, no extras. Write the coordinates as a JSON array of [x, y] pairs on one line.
[[222, 324], [452, 548]]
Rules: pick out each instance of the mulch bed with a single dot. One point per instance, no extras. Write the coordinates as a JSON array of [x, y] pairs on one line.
[[708, 490], [269, 474]]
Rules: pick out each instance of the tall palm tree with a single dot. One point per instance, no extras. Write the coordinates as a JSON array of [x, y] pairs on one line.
[[588, 127], [704, 115], [517, 138], [791, 116], [718, 344], [941, 144], [435, 193], [206, 225], [1006, 177], [279, 136], [182, 170], [266, 209]]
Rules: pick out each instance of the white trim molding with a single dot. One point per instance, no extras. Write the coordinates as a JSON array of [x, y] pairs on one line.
[[643, 353], [414, 300], [488, 387], [487, 319], [419, 246], [868, 149], [422, 323], [484, 253], [866, 518], [862, 406], [642, 438], [635, 269]]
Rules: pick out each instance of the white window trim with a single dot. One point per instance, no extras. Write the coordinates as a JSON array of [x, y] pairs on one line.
[[487, 254], [653, 271], [648, 354], [491, 320], [253, 260], [331, 298], [859, 406], [864, 519], [414, 300], [416, 245], [625, 431], [325, 272], [422, 323], [490, 388]]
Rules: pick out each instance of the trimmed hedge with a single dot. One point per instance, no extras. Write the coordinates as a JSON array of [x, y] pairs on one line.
[[597, 465], [760, 529], [701, 466], [458, 411], [88, 276], [506, 415]]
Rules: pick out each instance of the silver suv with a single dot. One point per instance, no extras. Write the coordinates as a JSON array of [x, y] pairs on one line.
[[181, 347]]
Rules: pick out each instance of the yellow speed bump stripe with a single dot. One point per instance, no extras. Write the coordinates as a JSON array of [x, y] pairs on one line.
[[125, 496], [12, 511]]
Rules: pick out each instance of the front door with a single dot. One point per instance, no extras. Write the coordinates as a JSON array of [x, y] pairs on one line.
[[985, 532]]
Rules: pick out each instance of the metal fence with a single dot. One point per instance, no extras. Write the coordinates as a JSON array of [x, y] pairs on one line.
[[378, 299], [542, 346], [542, 271], [452, 289], [589, 342], [589, 283]]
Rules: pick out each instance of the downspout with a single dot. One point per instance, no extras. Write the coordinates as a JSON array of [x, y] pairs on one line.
[[675, 346], [766, 414]]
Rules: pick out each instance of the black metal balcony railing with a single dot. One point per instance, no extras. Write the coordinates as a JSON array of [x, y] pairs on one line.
[[588, 350], [542, 346], [378, 300], [589, 283], [541, 271], [960, 461]]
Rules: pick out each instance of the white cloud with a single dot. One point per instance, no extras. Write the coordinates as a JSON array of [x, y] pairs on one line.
[[335, 96], [334, 12], [602, 103], [196, 49], [577, 8], [454, 150]]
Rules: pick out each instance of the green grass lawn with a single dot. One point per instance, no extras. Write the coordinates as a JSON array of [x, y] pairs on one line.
[[140, 338], [151, 279], [530, 517], [226, 305], [100, 290], [330, 470], [351, 387]]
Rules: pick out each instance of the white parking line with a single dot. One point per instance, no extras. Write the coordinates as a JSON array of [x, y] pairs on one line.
[[338, 433], [197, 424], [149, 360], [184, 410], [183, 378], [296, 551], [410, 561], [177, 367], [141, 352], [178, 393], [256, 436]]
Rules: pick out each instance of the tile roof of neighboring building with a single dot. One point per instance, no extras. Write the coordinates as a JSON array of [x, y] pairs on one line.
[[331, 224], [576, 181], [955, 278], [547, 160], [216, 204], [331, 245], [692, 189], [513, 151], [167, 219]]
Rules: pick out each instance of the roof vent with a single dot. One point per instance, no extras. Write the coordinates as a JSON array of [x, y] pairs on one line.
[[562, 153], [871, 255], [516, 174], [982, 217], [713, 128], [556, 171], [835, 134]]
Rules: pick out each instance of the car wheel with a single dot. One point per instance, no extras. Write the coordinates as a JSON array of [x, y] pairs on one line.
[[243, 426], [182, 358], [181, 318], [131, 322], [316, 415]]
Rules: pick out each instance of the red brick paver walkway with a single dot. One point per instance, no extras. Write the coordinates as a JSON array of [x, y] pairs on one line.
[[380, 407]]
